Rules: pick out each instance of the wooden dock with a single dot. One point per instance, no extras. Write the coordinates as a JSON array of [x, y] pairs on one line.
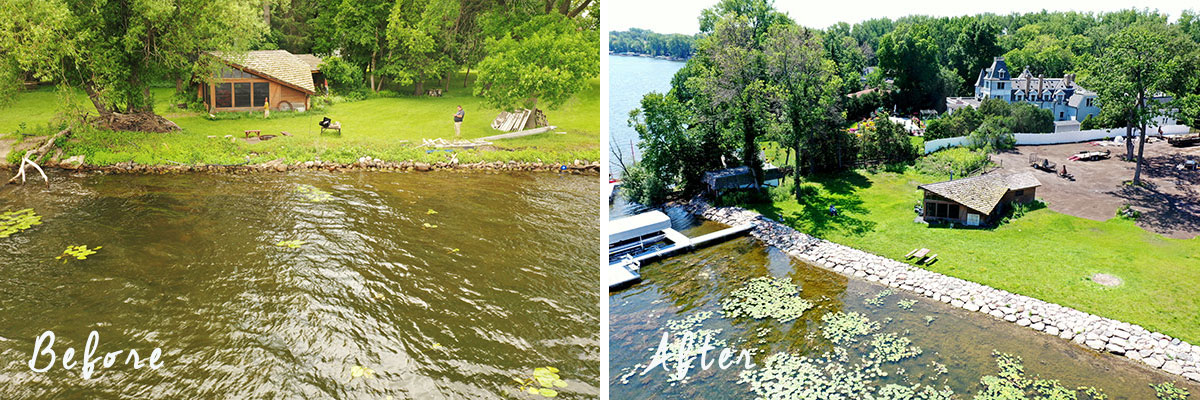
[[618, 275]]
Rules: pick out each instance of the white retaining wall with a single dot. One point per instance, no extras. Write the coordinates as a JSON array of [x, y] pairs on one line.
[[1033, 139]]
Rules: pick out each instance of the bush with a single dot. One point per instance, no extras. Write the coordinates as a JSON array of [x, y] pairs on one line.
[[959, 123], [886, 141], [992, 134], [342, 74], [959, 161], [740, 197], [1020, 209], [642, 187]]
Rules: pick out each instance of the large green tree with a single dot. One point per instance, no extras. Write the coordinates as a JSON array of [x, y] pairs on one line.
[[909, 54], [113, 50], [1141, 61], [543, 61]]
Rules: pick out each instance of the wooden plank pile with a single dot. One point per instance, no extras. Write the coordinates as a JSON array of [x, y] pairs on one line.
[[519, 120]]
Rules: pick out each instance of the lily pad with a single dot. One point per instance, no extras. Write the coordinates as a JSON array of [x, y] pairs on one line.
[[80, 252], [16, 221], [290, 243]]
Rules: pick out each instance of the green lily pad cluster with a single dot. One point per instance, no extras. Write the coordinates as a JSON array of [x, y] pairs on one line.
[[1168, 391], [906, 304], [766, 297], [542, 383], [291, 243], [842, 328], [80, 252], [312, 194], [359, 371], [16, 221], [877, 301], [1011, 383]]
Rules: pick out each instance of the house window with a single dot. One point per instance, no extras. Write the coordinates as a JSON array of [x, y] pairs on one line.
[[1089, 101], [241, 94], [1000, 85], [1020, 193], [223, 97], [261, 90], [1060, 115]]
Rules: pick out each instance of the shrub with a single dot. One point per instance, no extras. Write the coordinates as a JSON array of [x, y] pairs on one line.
[[642, 187], [992, 134], [960, 161], [886, 141], [342, 74]]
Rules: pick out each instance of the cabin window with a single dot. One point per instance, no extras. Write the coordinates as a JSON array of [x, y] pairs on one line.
[[941, 210], [1020, 193], [241, 94], [1000, 85], [236, 73], [223, 97], [261, 90]]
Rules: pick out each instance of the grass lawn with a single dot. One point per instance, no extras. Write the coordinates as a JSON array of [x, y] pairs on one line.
[[1043, 254], [385, 127]]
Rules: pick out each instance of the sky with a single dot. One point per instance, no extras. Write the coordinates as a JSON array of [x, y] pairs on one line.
[[680, 16]]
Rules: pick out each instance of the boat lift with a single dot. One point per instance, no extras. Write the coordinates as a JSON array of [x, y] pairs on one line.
[[637, 239]]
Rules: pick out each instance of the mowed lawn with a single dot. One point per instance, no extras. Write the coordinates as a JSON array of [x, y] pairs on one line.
[[1044, 254], [386, 127]]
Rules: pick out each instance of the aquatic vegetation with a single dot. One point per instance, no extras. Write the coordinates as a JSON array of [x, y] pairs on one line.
[[1011, 383], [291, 243], [77, 252], [1168, 391], [312, 194], [890, 347], [452, 251], [766, 297], [938, 368], [906, 304], [843, 328], [16, 221], [430, 212], [929, 320], [542, 383], [877, 301], [359, 371], [428, 226]]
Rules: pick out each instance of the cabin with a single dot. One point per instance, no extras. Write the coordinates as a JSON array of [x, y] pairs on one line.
[[249, 80], [976, 200], [314, 65]]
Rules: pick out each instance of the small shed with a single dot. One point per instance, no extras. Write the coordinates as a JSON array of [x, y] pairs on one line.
[[977, 200], [250, 79]]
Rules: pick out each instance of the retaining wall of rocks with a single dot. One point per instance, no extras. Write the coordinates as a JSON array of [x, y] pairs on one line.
[[363, 164], [1098, 333]]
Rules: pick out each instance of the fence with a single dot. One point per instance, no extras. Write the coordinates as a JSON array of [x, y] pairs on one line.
[[1033, 139]]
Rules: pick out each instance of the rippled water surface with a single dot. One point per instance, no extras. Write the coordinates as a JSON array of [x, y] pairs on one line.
[[963, 342], [446, 285]]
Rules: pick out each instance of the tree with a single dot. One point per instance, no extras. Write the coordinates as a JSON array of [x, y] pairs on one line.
[[910, 55], [808, 87], [357, 30], [887, 141], [413, 32], [547, 59], [1140, 61], [974, 49], [113, 50]]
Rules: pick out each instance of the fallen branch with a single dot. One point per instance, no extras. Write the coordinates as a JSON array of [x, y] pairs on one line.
[[35, 154], [21, 173]]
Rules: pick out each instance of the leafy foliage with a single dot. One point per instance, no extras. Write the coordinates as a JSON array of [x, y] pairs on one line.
[[547, 59], [542, 382], [80, 252], [766, 297]]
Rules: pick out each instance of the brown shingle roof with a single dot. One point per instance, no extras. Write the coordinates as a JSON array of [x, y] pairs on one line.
[[276, 65], [982, 193], [314, 62]]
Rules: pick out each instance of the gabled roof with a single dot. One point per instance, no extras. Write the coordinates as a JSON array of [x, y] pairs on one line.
[[276, 65], [982, 193], [314, 62]]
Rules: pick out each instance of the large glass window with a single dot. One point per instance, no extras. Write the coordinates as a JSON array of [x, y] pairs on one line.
[[261, 91], [241, 94], [224, 95]]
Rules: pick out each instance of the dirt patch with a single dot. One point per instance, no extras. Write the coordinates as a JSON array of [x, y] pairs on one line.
[[1106, 280], [1169, 201]]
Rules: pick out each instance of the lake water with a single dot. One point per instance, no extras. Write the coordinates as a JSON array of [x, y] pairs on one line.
[[447, 285], [957, 346], [630, 78]]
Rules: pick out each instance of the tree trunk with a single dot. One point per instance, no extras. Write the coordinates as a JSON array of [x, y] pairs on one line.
[[1137, 169], [467, 77], [796, 170], [371, 73], [1129, 139], [419, 85], [267, 13], [94, 96]]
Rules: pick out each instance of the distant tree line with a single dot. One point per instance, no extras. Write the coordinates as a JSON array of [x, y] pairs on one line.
[[756, 76], [642, 41]]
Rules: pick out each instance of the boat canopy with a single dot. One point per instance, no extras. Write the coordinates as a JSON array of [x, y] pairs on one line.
[[637, 226]]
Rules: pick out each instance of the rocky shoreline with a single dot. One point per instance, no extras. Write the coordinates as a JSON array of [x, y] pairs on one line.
[[1097, 333], [363, 164]]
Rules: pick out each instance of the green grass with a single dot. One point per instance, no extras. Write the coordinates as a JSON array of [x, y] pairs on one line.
[[1043, 254], [385, 127]]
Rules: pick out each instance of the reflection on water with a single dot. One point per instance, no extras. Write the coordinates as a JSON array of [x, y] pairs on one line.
[[961, 341], [447, 285]]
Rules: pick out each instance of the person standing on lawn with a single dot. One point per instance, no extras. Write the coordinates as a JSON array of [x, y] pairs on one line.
[[458, 117]]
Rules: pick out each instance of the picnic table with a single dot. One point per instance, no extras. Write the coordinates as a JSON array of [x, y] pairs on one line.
[[922, 256]]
